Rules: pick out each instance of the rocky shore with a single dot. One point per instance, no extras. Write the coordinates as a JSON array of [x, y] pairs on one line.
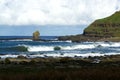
[[61, 60], [91, 68], [82, 38]]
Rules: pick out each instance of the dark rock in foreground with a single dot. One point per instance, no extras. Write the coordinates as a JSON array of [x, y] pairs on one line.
[[65, 68]]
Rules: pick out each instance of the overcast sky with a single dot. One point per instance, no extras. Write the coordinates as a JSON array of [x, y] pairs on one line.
[[19, 13]]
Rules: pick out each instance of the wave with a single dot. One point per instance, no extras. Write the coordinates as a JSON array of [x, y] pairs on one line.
[[79, 46], [40, 48], [21, 40], [78, 54], [52, 48], [69, 41], [107, 44], [15, 49], [74, 55], [58, 55], [72, 47], [53, 55], [8, 56], [16, 40]]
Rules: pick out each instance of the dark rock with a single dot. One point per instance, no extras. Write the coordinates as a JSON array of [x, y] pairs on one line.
[[57, 48]]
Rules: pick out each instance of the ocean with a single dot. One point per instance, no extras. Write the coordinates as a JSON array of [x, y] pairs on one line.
[[13, 46]]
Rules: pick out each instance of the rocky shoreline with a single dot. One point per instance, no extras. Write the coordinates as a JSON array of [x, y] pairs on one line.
[[61, 60], [91, 68], [82, 38]]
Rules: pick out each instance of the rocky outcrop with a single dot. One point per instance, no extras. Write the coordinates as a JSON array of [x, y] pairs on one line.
[[36, 35]]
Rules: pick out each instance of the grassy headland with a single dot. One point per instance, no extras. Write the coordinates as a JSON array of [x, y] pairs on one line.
[[106, 29]]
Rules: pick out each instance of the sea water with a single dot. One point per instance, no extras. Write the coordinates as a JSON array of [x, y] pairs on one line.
[[13, 46]]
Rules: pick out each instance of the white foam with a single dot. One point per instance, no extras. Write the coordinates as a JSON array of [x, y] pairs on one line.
[[80, 46], [69, 41], [40, 48], [111, 44], [68, 55], [73, 47], [21, 40], [51, 48], [8, 56], [112, 54], [60, 55]]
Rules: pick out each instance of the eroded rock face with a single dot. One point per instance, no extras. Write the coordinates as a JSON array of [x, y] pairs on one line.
[[36, 35], [107, 27]]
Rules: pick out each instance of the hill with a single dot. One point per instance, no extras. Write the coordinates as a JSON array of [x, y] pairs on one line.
[[106, 29]]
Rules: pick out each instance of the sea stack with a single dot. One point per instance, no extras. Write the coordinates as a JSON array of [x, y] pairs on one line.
[[36, 35]]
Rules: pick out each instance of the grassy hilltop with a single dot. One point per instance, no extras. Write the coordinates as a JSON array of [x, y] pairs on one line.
[[106, 29]]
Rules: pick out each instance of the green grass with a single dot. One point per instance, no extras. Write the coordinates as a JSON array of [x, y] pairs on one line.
[[106, 27]]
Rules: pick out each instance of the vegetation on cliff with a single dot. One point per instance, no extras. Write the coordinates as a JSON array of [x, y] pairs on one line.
[[106, 29], [36, 35]]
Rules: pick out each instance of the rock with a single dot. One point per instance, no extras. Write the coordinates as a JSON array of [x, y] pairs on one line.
[[57, 48], [36, 35], [21, 57]]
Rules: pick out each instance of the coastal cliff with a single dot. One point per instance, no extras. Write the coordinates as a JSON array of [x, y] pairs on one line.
[[106, 29]]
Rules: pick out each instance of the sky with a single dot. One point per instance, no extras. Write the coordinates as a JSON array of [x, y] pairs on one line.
[[52, 17]]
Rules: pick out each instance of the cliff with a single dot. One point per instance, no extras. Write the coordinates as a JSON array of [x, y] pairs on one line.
[[106, 29]]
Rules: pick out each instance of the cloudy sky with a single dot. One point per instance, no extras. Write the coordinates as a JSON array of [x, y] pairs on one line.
[[67, 16]]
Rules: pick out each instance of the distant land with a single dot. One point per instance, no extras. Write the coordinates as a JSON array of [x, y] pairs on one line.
[[106, 29]]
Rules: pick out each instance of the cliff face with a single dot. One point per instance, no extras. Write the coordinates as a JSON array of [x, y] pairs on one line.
[[107, 27]]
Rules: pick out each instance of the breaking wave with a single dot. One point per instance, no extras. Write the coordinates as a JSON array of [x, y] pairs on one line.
[[15, 48], [108, 44], [72, 47], [51, 48], [38, 48]]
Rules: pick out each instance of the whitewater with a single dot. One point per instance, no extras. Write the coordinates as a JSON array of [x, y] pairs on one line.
[[31, 49]]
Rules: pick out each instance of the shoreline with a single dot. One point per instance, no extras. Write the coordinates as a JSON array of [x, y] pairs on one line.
[[49, 58], [76, 39], [84, 38], [62, 68], [70, 55]]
